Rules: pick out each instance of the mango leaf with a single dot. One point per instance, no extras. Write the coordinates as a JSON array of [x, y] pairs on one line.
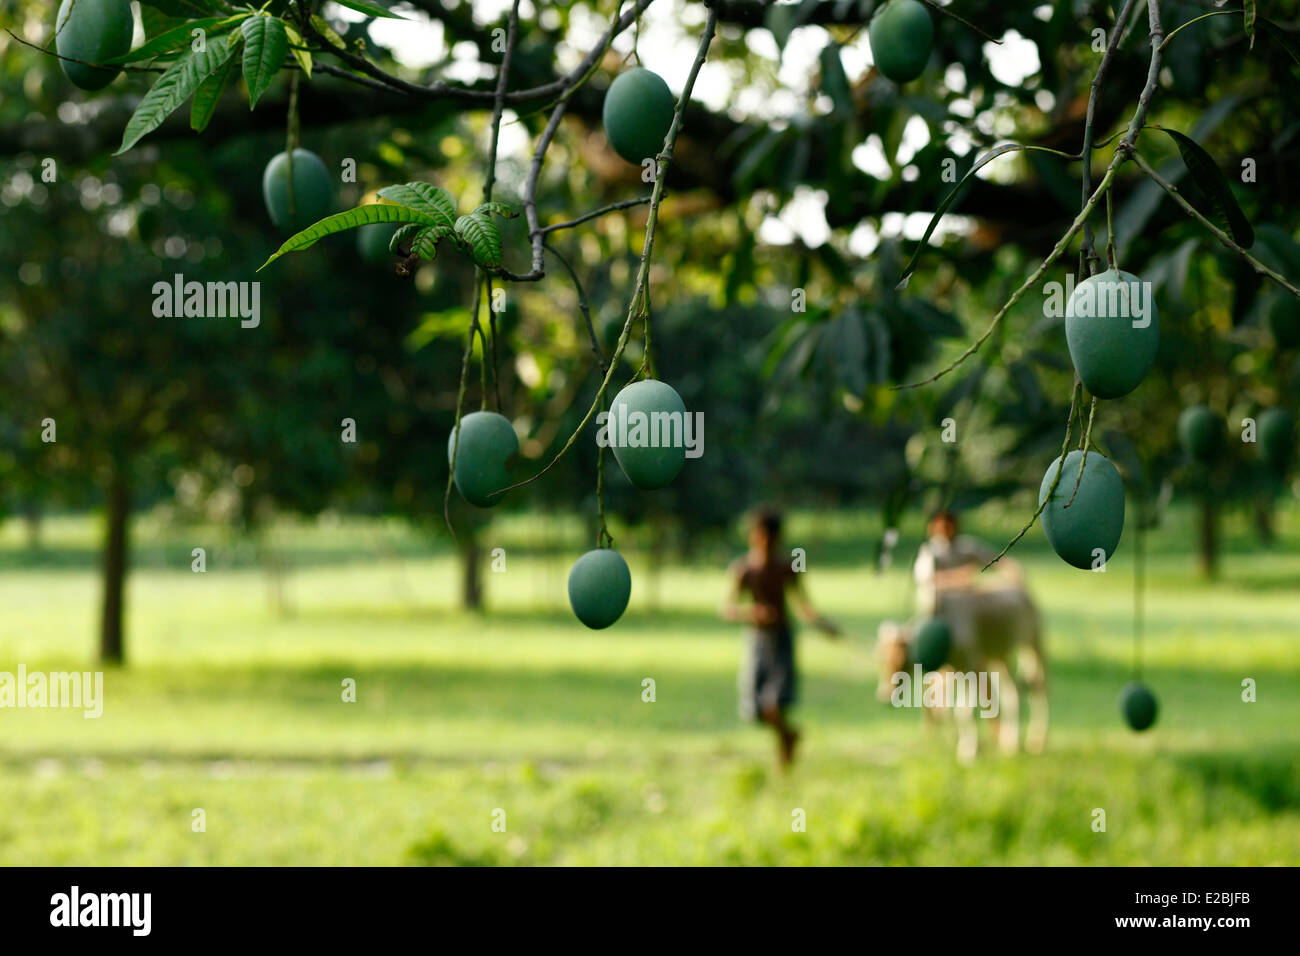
[[172, 89], [176, 38], [340, 222], [265, 46], [425, 242], [182, 8], [402, 234], [1218, 203], [1132, 216], [1276, 32], [373, 9], [843, 351], [426, 197], [328, 32], [500, 208], [297, 47], [209, 91], [482, 238], [953, 196], [755, 156], [156, 23], [835, 82]]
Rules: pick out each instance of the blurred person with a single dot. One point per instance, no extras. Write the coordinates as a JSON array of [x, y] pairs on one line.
[[949, 562], [994, 627], [768, 674]]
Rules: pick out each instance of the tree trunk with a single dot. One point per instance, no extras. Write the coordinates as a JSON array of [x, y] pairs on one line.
[[112, 649], [274, 565], [1264, 520], [471, 581], [32, 522], [1209, 538], [654, 573]]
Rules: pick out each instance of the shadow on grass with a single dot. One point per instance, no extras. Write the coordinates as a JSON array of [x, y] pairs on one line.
[[496, 710], [1269, 779]]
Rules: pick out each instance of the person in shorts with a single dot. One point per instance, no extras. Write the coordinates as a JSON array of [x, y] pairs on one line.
[[768, 675]]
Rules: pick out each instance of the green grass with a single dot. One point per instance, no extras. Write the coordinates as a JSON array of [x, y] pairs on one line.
[[230, 707]]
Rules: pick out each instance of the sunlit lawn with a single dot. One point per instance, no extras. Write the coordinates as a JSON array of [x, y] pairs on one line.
[[231, 707]]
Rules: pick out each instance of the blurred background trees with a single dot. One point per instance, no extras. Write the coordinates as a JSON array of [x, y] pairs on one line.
[[804, 180]]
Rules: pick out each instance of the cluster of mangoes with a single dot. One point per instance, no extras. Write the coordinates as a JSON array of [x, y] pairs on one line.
[[1203, 434], [483, 452]]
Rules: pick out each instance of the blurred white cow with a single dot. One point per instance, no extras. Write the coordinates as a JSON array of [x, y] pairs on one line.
[[994, 630]]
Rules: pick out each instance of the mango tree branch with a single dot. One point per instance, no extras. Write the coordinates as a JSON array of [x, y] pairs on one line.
[[1219, 234], [962, 20], [1153, 77], [441, 89], [1203, 16], [1116, 35], [499, 101], [1060, 247], [584, 307], [595, 213], [489, 180], [643, 272], [1084, 442], [1056, 479]]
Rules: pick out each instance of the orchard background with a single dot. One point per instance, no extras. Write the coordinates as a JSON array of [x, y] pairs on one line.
[[790, 207]]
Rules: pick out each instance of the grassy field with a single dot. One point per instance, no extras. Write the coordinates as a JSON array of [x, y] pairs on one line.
[[230, 707]]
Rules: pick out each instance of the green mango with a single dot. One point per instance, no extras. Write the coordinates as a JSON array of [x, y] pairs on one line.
[[313, 190], [1095, 519], [1138, 706], [1275, 433], [92, 31], [1111, 355], [372, 242], [651, 450], [486, 457], [932, 645], [902, 38], [599, 587], [637, 114], [1201, 433]]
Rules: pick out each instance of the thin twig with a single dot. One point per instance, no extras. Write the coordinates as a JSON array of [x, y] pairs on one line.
[[1219, 234], [584, 307], [662, 162], [1060, 247], [948, 13], [1216, 13], [1116, 35], [499, 101], [498, 108], [1083, 444], [1153, 77], [73, 59], [455, 442], [1056, 479], [442, 90], [595, 213]]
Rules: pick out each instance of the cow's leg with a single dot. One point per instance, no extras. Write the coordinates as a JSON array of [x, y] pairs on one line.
[[1036, 678], [1008, 710], [968, 738]]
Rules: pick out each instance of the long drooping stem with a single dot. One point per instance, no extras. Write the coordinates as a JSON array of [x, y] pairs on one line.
[[643, 272]]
